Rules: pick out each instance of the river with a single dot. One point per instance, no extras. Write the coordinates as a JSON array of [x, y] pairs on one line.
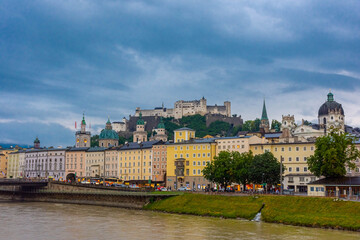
[[69, 221]]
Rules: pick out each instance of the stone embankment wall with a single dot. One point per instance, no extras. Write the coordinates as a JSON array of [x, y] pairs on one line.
[[77, 194]]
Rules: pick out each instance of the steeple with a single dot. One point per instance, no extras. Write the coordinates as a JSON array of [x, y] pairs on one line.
[[83, 120], [264, 124], [83, 124], [108, 124], [264, 113]]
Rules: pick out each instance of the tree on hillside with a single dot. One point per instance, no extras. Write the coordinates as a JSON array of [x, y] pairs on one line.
[[256, 126], [307, 123], [241, 167], [218, 128], [94, 141], [333, 153], [219, 170], [275, 124], [247, 125], [265, 168]]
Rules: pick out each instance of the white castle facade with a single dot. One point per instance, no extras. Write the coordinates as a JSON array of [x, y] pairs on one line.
[[187, 108]]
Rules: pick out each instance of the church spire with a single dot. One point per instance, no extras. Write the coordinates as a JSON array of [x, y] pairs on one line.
[[264, 113]]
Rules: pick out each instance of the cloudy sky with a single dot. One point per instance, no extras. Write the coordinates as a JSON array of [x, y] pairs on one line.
[[61, 58]]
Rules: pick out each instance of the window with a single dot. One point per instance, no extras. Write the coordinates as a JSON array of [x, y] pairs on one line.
[[194, 163], [199, 163], [282, 149], [175, 155], [187, 172], [204, 163], [305, 169], [304, 148], [194, 155], [312, 189], [302, 179], [194, 171], [187, 163], [275, 149], [289, 149], [297, 149], [305, 159], [298, 169], [199, 171], [297, 159], [289, 159], [290, 169]]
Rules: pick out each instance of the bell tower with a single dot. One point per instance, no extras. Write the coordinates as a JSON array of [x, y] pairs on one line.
[[82, 137]]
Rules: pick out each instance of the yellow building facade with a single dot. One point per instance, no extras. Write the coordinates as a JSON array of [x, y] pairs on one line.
[[294, 157], [186, 160], [75, 162], [237, 144], [13, 165], [183, 134], [95, 162], [135, 162], [4, 161]]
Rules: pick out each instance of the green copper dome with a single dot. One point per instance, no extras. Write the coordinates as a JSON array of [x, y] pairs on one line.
[[161, 124], [37, 140], [140, 121], [108, 134]]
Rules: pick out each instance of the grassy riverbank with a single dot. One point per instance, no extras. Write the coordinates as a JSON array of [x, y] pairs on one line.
[[302, 211], [204, 205]]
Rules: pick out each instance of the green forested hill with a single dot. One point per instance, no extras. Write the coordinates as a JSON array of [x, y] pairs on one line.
[[196, 122]]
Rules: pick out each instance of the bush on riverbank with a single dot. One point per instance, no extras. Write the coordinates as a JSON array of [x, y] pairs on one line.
[[204, 205], [302, 211]]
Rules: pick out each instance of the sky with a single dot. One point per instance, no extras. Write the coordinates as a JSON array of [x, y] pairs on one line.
[[59, 59]]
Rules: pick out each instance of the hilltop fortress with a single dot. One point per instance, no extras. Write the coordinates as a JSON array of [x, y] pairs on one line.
[[187, 108]]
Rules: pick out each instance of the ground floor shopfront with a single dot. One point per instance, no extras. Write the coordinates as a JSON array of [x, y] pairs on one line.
[[194, 183]]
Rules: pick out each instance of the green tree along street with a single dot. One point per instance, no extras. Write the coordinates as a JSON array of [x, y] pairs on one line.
[[244, 168], [242, 163], [220, 170], [265, 168], [333, 153]]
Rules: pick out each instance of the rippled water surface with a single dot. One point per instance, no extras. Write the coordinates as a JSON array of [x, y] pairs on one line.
[[67, 221]]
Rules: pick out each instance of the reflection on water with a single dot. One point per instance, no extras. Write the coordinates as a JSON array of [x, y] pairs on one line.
[[67, 221]]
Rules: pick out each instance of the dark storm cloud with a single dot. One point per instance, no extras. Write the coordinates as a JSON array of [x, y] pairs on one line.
[[60, 58]]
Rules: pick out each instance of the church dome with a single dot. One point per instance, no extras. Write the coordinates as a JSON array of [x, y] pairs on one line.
[[330, 105], [140, 121], [108, 134], [37, 140]]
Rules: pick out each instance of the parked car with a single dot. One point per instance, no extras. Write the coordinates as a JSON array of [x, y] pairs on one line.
[[163, 189], [182, 189]]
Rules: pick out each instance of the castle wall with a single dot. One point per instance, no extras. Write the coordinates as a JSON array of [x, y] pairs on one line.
[[235, 121], [186, 108]]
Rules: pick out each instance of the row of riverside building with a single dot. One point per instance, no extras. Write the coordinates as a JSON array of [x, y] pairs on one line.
[[171, 163]]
